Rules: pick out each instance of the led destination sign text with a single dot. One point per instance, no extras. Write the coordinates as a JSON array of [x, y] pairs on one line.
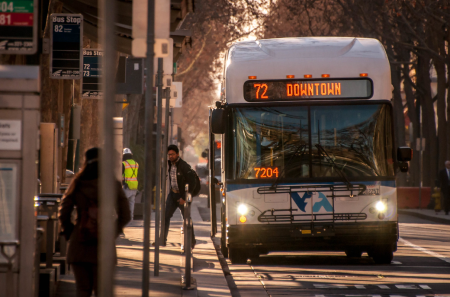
[[276, 90]]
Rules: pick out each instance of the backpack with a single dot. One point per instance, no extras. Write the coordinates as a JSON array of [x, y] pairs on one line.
[[89, 223], [198, 184]]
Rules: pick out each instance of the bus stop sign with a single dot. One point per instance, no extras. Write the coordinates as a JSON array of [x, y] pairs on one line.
[[92, 74], [66, 45], [18, 27]]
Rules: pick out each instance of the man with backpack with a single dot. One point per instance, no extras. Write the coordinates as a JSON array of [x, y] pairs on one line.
[[129, 178], [180, 174]]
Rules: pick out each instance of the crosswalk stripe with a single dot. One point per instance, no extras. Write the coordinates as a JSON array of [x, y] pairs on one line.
[[425, 287], [419, 248], [383, 287]]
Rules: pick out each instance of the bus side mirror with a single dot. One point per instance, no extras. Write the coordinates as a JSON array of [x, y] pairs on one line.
[[218, 121], [404, 154]]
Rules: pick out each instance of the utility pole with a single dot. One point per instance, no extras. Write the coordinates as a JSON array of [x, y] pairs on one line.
[[108, 193], [148, 177]]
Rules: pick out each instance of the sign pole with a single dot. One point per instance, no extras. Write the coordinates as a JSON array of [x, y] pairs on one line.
[[164, 170], [148, 178], [158, 166], [108, 193]]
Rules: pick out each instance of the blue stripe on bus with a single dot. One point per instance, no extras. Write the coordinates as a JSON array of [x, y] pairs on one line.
[[235, 187]]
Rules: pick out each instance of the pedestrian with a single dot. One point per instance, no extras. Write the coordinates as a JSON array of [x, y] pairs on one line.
[[129, 178], [444, 178], [83, 236], [180, 174]]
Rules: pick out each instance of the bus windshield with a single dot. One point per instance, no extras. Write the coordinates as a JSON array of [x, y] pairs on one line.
[[283, 142]]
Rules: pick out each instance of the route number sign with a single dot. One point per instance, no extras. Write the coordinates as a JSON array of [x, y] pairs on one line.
[[92, 74], [66, 45], [18, 27]]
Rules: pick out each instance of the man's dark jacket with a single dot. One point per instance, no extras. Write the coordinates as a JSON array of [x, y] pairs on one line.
[[185, 175], [445, 186]]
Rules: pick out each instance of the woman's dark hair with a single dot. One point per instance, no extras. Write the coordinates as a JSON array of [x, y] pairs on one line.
[[89, 171], [174, 148]]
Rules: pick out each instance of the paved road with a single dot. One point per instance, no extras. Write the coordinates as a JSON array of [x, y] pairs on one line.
[[421, 267]]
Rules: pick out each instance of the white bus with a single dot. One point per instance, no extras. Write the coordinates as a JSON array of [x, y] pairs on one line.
[[308, 156]]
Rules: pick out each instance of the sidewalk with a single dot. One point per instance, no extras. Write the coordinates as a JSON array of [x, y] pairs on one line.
[[207, 270], [129, 268], [428, 214]]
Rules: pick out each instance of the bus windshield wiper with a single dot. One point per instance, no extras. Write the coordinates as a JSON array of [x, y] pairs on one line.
[[340, 171], [300, 147]]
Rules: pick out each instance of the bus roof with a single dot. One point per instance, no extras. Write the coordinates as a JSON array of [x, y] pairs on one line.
[[340, 57]]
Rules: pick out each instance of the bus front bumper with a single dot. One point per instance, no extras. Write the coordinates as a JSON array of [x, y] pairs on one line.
[[319, 237]]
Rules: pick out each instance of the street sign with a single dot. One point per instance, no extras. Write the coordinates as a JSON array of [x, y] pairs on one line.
[[66, 45], [18, 27], [92, 74]]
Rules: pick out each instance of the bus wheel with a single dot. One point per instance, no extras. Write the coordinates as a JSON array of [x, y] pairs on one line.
[[383, 254], [237, 256], [353, 253]]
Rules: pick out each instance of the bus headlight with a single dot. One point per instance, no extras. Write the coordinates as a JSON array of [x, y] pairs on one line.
[[380, 206], [242, 209]]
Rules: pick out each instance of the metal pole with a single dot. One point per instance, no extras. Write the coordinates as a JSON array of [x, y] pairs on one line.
[[171, 126], [187, 237], [158, 167], [164, 171], [421, 160], [148, 178], [108, 193]]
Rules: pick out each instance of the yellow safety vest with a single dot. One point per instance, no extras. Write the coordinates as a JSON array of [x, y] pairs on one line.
[[130, 174]]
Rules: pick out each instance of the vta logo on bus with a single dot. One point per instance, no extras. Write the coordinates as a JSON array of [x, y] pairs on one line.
[[301, 202]]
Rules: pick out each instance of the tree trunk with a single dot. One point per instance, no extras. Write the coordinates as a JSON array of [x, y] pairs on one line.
[[412, 114], [441, 111], [428, 120]]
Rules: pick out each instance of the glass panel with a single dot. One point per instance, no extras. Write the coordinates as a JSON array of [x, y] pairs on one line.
[[271, 142], [358, 138], [8, 198]]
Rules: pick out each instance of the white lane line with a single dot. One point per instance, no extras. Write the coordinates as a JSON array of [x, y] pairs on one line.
[[396, 262], [360, 286], [406, 287], [383, 287], [439, 256], [425, 287]]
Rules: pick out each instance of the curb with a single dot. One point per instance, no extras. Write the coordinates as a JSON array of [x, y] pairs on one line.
[[423, 216]]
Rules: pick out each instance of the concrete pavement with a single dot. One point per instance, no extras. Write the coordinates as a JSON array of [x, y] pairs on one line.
[[207, 270], [428, 214]]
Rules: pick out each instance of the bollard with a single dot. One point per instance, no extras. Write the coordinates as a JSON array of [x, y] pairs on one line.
[[187, 239]]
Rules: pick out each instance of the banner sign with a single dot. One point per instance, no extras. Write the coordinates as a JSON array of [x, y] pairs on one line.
[[18, 27], [92, 74], [66, 45]]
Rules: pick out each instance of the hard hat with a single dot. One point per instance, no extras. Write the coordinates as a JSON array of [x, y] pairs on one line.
[[127, 151]]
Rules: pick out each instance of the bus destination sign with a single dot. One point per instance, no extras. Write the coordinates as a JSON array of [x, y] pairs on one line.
[[18, 27], [92, 74], [66, 45], [304, 89]]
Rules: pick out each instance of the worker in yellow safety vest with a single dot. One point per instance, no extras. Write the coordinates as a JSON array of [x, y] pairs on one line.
[[130, 178]]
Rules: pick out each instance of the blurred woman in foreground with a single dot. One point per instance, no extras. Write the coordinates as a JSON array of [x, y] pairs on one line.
[[83, 236]]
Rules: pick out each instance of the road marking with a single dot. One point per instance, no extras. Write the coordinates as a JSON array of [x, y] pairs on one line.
[[439, 256], [330, 286], [396, 262], [425, 287], [383, 287], [406, 287], [360, 286]]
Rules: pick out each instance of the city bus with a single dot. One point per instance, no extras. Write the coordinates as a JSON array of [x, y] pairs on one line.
[[308, 156]]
